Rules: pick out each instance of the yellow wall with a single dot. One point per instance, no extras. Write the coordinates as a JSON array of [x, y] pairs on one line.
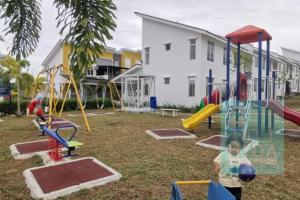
[[133, 56], [107, 55]]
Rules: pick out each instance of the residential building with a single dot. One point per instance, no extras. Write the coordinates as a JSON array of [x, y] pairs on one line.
[[110, 64], [180, 56]]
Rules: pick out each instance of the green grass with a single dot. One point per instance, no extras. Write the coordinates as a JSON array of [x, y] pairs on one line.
[[148, 166]]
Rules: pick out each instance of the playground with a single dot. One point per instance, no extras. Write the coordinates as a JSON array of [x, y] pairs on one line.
[[148, 166]]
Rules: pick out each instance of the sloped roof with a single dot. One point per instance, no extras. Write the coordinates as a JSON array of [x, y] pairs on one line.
[[187, 27], [248, 34]]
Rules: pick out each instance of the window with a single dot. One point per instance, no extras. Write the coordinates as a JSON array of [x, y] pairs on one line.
[[262, 85], [224, 55], [256, 62], [210, 51], [192, 87], [167, 80], [192, 49], [264, 63], [127, 62], [147, 55], [275, 65], [90, 72], [168, 46], [255, 85]]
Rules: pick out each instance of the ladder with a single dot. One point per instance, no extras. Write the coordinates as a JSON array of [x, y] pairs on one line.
[[237, 115]]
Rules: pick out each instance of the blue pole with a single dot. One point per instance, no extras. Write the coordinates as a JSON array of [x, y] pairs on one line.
[[228, 69], [209, 94], [259, 84], [238, 72], [238, 67], [273, 97], [266, 86]]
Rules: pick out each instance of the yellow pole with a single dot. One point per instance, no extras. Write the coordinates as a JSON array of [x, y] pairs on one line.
[[63, 104], [111, 97], [78, 97], [192, 182], [122, 105], [51, 94], [54, 100], [35, 85]]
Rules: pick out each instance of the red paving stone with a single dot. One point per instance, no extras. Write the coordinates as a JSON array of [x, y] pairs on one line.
[[32, 147], [170, 132], [218, 140], [65, 175]]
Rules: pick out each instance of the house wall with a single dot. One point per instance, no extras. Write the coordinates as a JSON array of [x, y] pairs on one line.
[[57, 58], [134, 58], [177, 64], [174, 64]]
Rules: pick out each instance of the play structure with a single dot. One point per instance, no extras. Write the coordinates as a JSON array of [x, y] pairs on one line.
[[60, 71], [237, 100], [90, 90], [211, 104], [56, 141], [136, 91], [216, 191]]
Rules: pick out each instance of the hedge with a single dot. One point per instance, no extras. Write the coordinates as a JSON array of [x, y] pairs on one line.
[[70, 104]]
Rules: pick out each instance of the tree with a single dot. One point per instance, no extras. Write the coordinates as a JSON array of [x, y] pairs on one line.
[[23, 20], [40, 83], [14, 71], [26, 84], [88, 23]]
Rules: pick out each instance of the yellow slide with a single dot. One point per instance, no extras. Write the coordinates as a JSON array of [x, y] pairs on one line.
[[199, 116]]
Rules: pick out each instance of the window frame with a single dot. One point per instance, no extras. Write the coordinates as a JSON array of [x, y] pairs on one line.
[[168, 45], [224, 55], [147, 55], [191, 93], [167, 80], [210, 50], [88, 72], [193, 47]]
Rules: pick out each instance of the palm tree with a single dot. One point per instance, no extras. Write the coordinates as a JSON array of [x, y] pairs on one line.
[[26, 84], [14, 71], [41, 83], [88, 24]]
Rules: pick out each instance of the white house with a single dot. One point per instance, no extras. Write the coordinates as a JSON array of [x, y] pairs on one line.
[[180, 56]]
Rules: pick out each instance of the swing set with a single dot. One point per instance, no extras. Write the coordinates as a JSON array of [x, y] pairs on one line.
[[67, 74], [93, 88]]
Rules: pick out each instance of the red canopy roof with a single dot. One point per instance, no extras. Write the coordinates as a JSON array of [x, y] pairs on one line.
[[248, 34]]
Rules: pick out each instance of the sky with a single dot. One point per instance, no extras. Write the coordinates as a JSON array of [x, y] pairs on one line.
[[281, 18]]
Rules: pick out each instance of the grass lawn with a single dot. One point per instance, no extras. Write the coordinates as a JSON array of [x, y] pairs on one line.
[[148, 166]]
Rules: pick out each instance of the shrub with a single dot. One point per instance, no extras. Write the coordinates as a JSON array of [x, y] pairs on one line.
[[182, 108], [70, 104]]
